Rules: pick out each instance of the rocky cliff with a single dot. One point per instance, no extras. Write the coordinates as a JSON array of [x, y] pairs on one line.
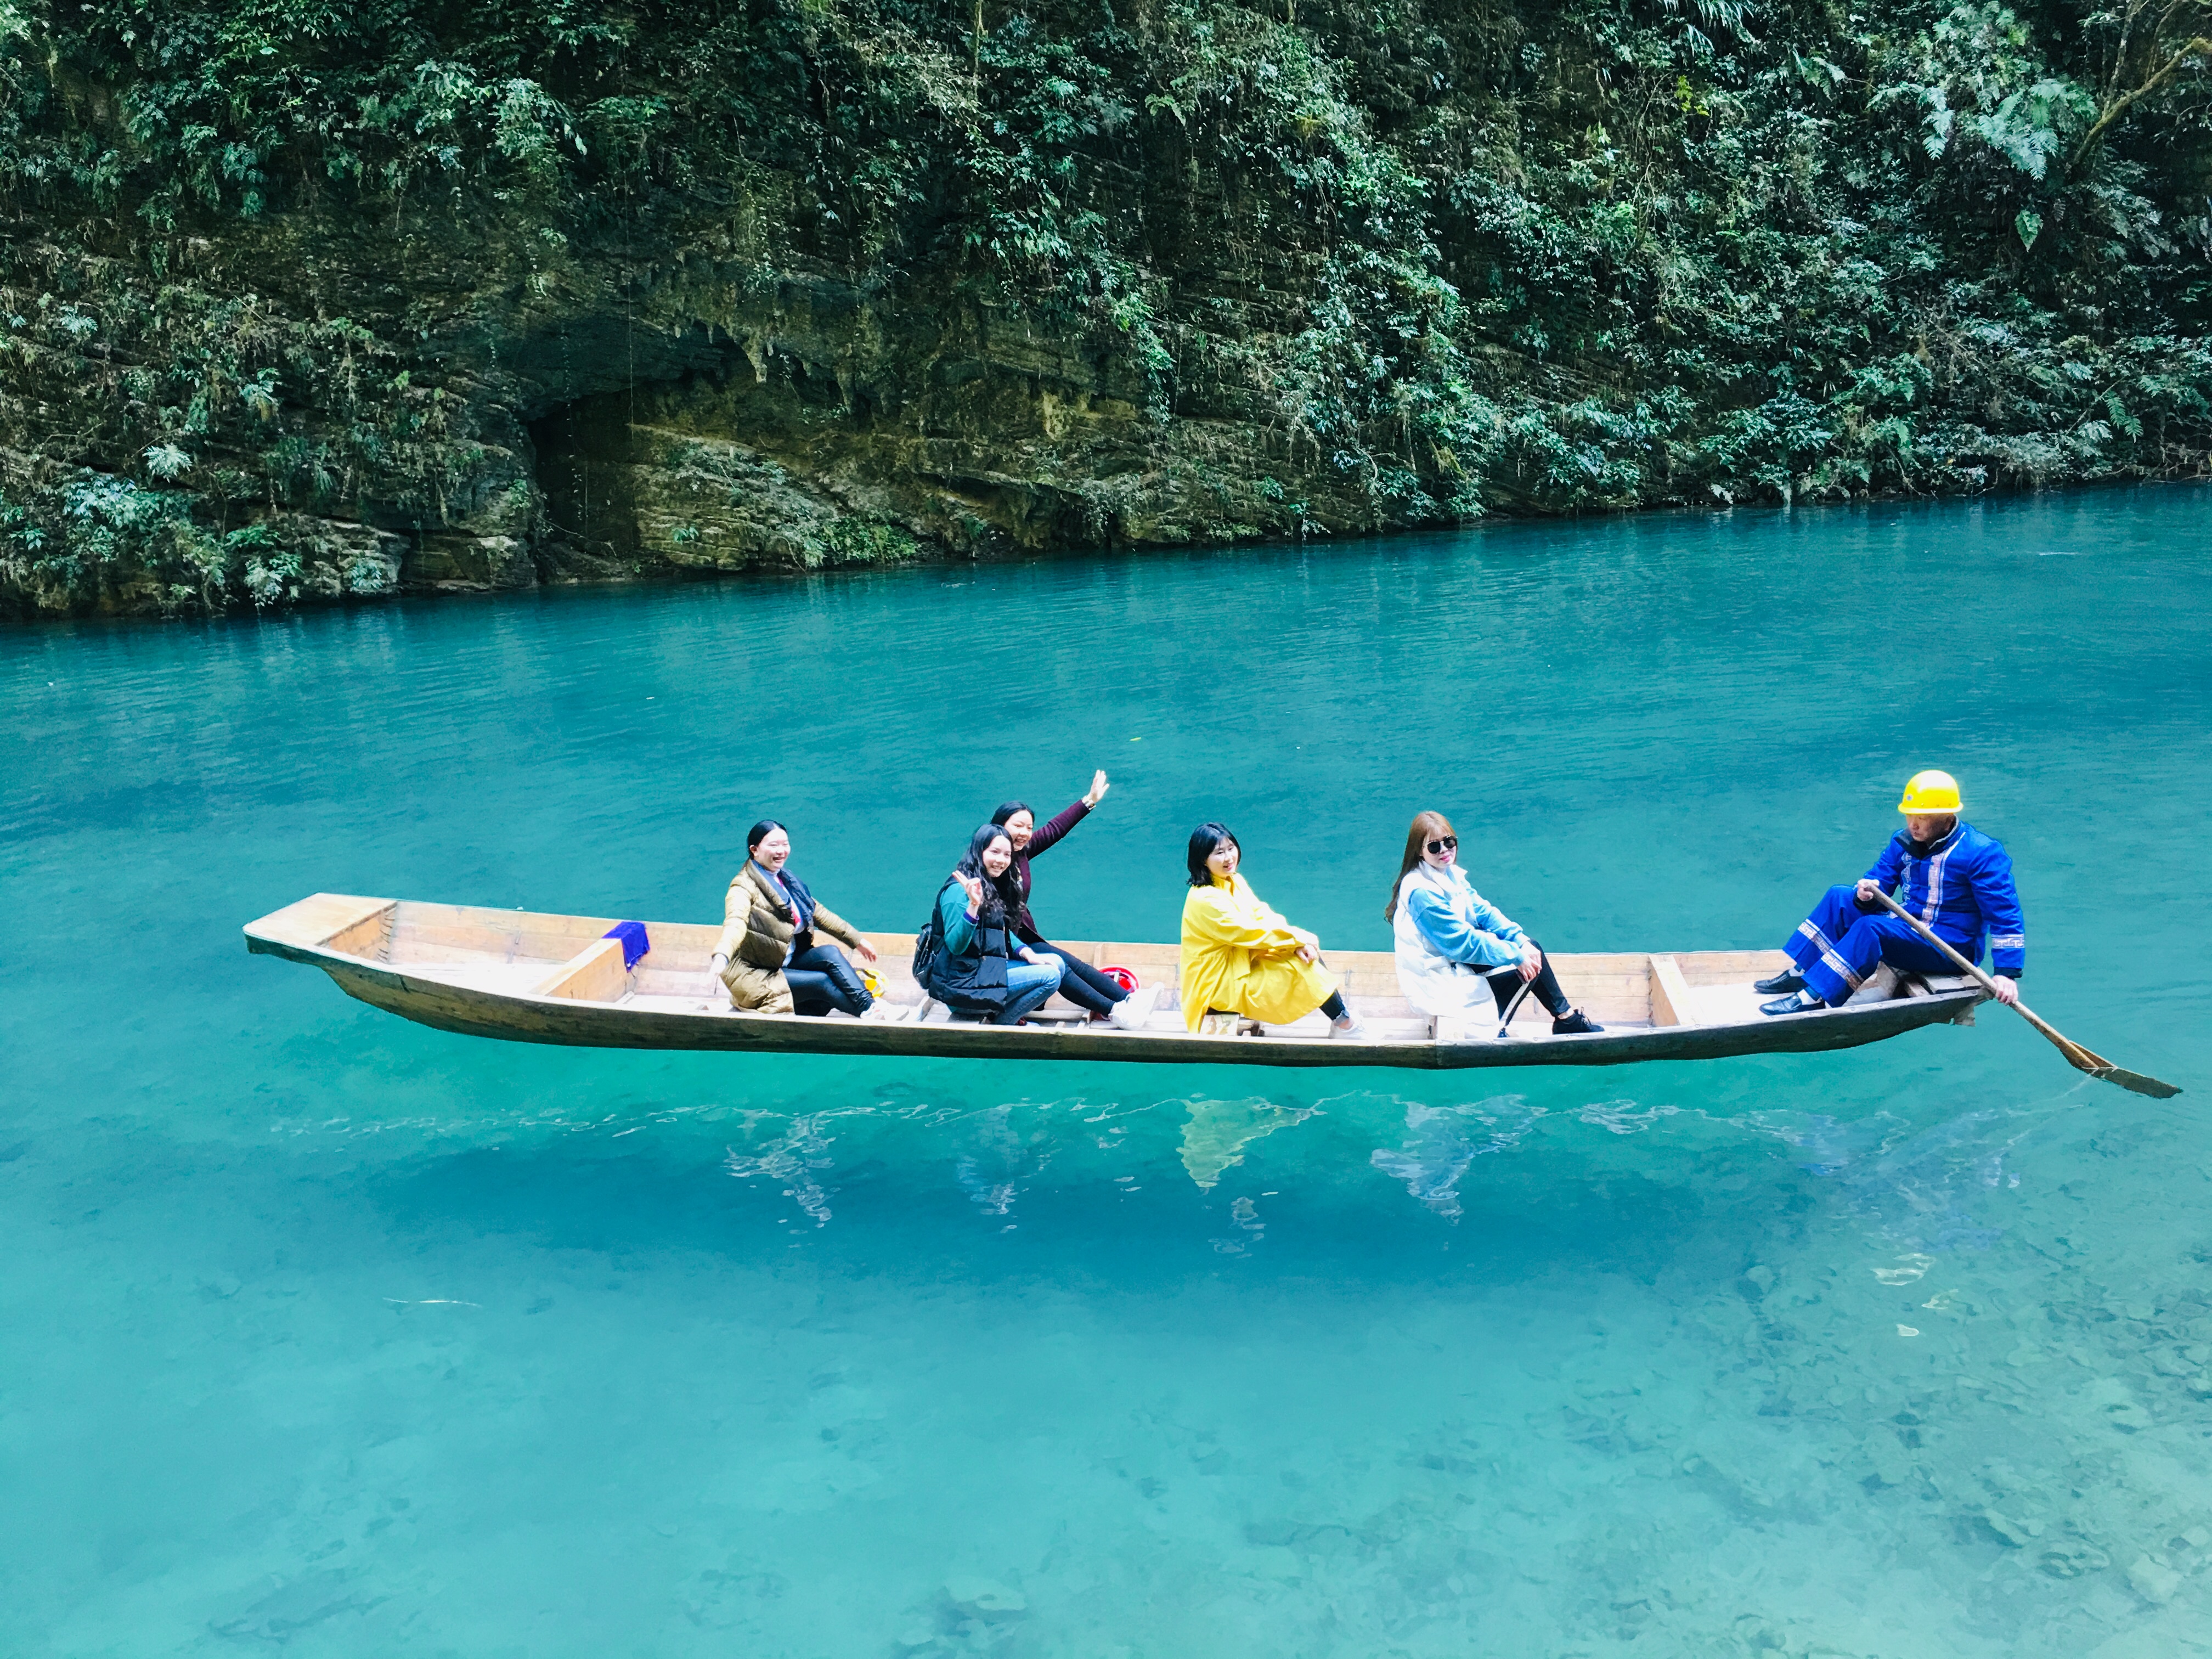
[[299, 301]]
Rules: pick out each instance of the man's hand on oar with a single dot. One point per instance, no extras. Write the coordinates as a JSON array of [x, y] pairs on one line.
[[2081, 1059], [2003, 989]]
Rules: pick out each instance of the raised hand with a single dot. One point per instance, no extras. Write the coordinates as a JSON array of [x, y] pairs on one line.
[[1098, 788], [973, 887]]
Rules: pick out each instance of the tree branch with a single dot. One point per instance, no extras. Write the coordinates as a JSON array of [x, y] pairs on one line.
[[2198, 47]]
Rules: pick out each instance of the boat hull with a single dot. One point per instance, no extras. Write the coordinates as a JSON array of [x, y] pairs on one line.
[[428, 995]]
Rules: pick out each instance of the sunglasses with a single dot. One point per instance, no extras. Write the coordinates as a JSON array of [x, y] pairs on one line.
[[1451, 842]]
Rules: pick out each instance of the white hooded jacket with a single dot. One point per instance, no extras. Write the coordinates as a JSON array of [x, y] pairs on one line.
[[1446, 935]]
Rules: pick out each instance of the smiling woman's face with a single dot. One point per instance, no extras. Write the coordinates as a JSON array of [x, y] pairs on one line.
[[1222, 860], [1020, 827], [774, 849], [997, 856]]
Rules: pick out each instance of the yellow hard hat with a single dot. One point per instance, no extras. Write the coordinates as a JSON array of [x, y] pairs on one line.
[[1931, 794]]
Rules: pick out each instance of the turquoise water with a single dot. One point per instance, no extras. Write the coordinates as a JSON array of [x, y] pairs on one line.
[[330, 1332]]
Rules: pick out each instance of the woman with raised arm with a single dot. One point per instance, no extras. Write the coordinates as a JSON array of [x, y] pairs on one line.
[[1239, 957], [1457, 952], [769, 956], [1079, 983], [974, 963]]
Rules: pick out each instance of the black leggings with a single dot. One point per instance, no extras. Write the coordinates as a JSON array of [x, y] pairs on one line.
[[1505, 982], [821, 979], [1079, 983]]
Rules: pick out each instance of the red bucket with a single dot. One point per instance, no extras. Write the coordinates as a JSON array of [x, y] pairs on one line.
[[1121, 976]]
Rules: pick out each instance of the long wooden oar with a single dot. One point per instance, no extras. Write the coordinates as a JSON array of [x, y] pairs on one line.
[[2081, 1059]]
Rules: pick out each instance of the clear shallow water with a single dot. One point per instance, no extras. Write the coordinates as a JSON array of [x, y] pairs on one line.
[[330, 1332]]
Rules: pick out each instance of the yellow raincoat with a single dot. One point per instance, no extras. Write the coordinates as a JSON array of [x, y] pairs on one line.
[[1239, 956]]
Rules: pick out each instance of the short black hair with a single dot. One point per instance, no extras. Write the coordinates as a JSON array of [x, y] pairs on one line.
[[1007, 808], [759, 833], [1203, 840]]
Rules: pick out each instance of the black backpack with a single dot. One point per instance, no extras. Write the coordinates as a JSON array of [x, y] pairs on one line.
[[925, 942]]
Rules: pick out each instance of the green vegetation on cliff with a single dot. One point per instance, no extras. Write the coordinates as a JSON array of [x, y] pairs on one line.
[[300, 298]]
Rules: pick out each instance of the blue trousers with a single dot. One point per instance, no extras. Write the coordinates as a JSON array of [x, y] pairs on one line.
[[1079, 983], [1839, 944], [1027, 987]]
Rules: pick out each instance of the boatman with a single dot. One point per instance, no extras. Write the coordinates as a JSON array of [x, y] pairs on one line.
[[1956, 880]]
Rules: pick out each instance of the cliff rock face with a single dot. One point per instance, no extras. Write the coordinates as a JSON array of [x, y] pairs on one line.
[[818, 425], [297, 305]]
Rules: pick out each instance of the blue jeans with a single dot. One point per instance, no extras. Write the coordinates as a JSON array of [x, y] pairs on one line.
[[1027, 987], [1079, 983]]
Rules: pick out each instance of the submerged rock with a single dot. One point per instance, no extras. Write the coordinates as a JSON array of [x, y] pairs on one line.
[[2153, 1580], [2116, 1406], [1892, 1467], [2017, 1534], [2073, 1559], [985, 1598]]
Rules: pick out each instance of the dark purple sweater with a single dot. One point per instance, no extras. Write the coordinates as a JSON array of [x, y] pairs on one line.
[[1043, 840]]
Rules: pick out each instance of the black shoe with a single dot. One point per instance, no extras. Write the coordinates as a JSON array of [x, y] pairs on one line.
[[1798, 1002], [1781, 985], [1576, 1024]]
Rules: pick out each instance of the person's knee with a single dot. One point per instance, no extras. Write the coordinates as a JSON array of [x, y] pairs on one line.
[[1895, 937]]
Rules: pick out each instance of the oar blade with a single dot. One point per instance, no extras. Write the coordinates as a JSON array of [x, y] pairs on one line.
[[2137, 1083]]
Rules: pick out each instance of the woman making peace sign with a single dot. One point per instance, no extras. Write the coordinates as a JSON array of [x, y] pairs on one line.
[[974, 964], [1079, 983]]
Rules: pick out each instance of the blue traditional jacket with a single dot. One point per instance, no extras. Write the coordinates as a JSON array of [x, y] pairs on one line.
[[1961, 886]]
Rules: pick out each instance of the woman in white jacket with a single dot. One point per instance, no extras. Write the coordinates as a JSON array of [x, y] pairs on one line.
[[1458, 953]]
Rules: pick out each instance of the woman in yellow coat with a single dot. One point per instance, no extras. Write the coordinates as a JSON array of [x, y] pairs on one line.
[[1239, 957]]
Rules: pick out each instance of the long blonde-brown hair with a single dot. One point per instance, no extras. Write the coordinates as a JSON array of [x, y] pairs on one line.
[[1427, 826]]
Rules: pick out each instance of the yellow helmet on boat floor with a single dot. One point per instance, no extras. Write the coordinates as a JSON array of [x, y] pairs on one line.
[[1930, 793]]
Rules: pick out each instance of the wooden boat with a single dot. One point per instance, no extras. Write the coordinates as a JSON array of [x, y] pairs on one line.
[[539, 978]]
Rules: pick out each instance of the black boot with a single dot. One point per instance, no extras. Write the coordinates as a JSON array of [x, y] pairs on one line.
[[1798, 1002], [1575, 1023], [1781, 985]]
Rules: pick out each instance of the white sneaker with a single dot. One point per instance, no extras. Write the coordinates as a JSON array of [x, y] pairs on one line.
[[1355, 1031], [1131, 1013]]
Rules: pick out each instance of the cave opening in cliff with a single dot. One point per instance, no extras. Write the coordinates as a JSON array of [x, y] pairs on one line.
[[585, 473]]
